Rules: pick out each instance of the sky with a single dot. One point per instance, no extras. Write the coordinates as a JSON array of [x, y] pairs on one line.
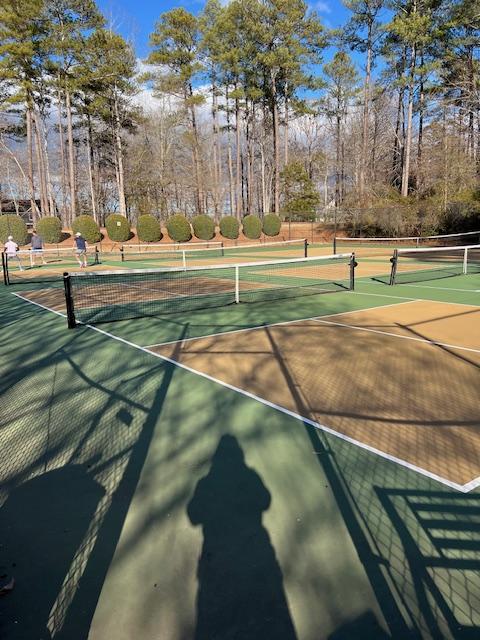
[[135, 19]]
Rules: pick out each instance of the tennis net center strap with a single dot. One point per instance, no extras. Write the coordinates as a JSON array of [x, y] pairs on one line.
[[103, 296]]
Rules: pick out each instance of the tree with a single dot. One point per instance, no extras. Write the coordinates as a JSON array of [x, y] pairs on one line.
[[342, 87], [300, 198], [175, 46], [363, 33]]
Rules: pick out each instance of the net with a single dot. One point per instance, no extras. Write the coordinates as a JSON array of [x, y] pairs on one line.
[[382, 246], [43, 264], [109, 296], [170, 246], [417, 265], [195, 255]]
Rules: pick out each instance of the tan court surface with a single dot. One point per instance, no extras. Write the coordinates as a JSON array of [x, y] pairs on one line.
[[410, 399]]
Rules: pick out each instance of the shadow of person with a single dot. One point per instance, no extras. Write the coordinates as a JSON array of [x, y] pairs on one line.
[[240, 584], [43, 524]]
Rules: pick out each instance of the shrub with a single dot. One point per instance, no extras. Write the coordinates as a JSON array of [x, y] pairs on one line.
[[252, 227], [148, 228], [13, 225], [50, 229], [229, 227], [271, 224], [118, 227], [203, 227], [178, 228], [87, 226]]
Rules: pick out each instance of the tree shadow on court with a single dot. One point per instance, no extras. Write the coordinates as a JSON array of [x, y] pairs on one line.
[[42, 525], [240, 583], [439, 533]]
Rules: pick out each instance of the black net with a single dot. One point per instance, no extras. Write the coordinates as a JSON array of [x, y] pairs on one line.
[[431, 264], [109, 296], [383, 246], [198, 253]]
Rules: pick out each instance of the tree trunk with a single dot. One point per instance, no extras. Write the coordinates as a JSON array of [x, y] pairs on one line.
[[62, 158], [216, 155], [119, 154], [408, 140], [285, 141], [33, 203], [195, 152], [366, 113], [337, 158], [238, 159], [276, 154], [90, 167], [40, 165], [71, 157], [48, 180], [421, 109], [233, 211]]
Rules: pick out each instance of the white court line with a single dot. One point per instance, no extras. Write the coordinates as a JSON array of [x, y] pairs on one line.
[[37, 304], [274, 324], [386, 295], [469, 486], [398, 335], [364, 279]]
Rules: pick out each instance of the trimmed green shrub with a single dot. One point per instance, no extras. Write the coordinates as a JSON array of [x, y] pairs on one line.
[[87, 226], [271, 224], [148, 229], [203, 227], [252, 227], [118, 227], [13, 225], [229, 227], [50, 229], [178, 228]]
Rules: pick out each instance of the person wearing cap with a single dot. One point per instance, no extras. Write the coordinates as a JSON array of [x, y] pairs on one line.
[[37, 248], [80, 250], [11, 249]]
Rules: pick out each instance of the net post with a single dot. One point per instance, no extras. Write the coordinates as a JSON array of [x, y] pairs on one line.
[[465, 260], [334, 245], [67, 285], [122, 253], [394, 261], [6, 280], [305, 248], [97, 256], [353, 264], [222, 246], [237, 284]]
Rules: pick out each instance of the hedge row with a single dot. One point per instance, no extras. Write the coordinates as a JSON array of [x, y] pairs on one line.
[[13, 225], [148, 228]]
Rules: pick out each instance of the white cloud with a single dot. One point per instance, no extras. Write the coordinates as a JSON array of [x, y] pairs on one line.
[[321, 6]]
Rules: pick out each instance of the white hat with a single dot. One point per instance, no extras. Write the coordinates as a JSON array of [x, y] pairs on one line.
[[10, 237], [78, 233]]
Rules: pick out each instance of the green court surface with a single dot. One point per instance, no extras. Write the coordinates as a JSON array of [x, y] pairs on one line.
[[139, 500]]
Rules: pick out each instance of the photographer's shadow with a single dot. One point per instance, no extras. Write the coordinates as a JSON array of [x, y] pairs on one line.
[[240, 583]]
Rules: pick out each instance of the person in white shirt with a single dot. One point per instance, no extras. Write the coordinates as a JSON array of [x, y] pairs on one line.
[[11, 249]]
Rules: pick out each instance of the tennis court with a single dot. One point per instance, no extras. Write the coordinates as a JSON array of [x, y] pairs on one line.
[[279, 465]]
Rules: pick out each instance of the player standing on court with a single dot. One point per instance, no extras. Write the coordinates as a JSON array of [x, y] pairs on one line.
[[37, 247], [11, 249], [81, 250]]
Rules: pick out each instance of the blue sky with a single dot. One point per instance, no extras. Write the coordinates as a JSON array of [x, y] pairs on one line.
[[135, 19]]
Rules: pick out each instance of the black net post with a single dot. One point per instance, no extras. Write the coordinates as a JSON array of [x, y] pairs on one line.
[[6, 280], [97, 256], [122, 253], [69, 301], [353, 264], [305, 248], [222, 248], [394, 261]]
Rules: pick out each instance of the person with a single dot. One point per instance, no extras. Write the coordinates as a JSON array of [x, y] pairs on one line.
[[37, 248], [11, 249], [81, 250]]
